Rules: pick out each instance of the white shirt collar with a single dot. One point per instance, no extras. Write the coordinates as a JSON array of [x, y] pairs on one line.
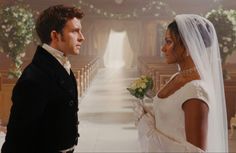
[[63, 60]]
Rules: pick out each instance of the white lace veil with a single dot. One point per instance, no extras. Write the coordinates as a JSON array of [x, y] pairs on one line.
[[200, 39]]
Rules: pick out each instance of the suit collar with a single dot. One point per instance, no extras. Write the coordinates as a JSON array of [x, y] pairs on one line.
[[51, 66], [48, 63], [63, 60]]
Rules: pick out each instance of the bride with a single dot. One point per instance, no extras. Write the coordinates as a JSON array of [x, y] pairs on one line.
[[189, 113]]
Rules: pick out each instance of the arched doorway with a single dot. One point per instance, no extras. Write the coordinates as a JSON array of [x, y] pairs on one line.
[[118, 52]]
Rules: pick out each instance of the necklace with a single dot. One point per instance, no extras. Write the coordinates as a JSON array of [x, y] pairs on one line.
[[178, 81], [188, 72]]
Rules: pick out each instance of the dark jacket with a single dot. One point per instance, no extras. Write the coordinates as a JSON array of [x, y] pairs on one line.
[[43, 116]]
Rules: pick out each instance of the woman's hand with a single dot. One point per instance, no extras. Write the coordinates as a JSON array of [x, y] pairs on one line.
[[146, 124], [138, 112]]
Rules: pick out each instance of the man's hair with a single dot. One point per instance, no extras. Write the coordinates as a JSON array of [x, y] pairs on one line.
[[55, 18]]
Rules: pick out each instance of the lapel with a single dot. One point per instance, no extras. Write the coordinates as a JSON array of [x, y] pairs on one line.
[[55, 70], [74, 82]]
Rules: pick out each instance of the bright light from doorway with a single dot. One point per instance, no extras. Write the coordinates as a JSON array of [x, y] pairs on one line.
[[114, 54]]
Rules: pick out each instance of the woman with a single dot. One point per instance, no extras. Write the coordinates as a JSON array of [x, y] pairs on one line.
[[189, 113]]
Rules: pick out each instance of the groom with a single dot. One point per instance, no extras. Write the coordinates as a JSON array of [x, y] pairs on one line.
[[43, 116]]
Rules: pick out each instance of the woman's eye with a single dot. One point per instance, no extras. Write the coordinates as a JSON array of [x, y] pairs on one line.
[[168, 42]]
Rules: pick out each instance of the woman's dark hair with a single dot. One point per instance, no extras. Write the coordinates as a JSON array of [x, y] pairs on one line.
[[174, 32], [55, 18], [204, 31], [174, 28]]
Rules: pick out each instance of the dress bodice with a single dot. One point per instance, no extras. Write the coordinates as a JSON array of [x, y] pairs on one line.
[[169, 114]]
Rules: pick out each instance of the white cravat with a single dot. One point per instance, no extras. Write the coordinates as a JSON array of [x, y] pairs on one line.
[[59, 56]]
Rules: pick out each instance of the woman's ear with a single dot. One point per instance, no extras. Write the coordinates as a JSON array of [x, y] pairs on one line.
[[182, 51], [185, 53], [182, 46]]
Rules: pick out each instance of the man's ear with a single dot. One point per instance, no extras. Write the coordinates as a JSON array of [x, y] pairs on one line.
[[54, 35]]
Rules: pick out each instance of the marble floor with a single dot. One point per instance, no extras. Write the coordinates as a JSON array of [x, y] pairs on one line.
[[106, 118]]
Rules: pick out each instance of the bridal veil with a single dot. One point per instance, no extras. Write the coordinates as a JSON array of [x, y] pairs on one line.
[[200, 39]]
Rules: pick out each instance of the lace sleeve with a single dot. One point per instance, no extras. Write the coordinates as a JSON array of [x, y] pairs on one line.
[[195, 90]]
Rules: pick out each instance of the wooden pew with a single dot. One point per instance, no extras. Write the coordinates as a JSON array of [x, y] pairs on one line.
[[0, 82], [230, 96], [80, 78], [159, 71], [6, 89], [5, 99], [156, 68], [84, 68]]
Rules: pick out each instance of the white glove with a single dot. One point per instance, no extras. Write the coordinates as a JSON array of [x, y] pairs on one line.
[[138, 112], [147, 124]]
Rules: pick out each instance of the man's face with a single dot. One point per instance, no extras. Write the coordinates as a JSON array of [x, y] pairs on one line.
[[71, 38]]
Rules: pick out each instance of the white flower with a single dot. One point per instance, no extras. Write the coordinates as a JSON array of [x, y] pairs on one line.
[[6, 9], [22, 54], [19, 23], [28, 42], [143, 86], [15, 14], [229, 39], [9, 28], [10, 44], [3, 27], [225, 49], [6, 35]]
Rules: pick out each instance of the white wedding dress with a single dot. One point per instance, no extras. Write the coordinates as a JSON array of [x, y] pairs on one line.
[[166, 133]]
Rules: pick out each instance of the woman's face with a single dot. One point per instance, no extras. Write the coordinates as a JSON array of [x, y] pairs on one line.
[[173, 49]]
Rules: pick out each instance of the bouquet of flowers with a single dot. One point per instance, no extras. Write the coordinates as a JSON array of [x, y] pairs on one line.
[[140, 87]]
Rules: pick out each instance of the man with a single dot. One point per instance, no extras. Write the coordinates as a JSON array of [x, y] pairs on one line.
[[43, 116]]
